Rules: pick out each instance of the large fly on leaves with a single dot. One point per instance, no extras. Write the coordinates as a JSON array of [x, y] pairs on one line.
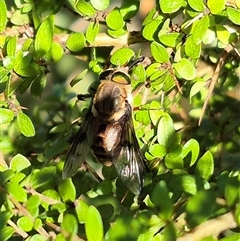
[[108, 130]]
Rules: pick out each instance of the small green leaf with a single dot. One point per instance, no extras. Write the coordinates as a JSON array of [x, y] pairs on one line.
[[155, 112], [196, 88], [76, 42], [94, 225], [185, 69], [114, 19], [92, 31], [160, 198], [37, 237], [43, 177], [121, 56], [100, 5], [216, 8], [3, 15], [79, 77], [44, 36], [197, 5], [25, 125], [223, 34], [69, 225], [38, 84], [67, 190], [85, 8], [6, 233], [55, 53], [129, 8], [82, 211], [18, 192], [200, 207], [19, 18], [32, 205], [8, 62], [234, 15], [190, 151], [171, 39], [19, 162], [192, 49], [11, 46], [200, 29], [157, 150], [184, 183], [159, 53], [170, 6], [165, 131], [117, 33], [25, 223], [205, 165], [150, 30], [6, 115]]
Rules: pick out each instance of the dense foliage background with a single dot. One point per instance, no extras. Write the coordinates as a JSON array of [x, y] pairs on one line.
[[186, 119]]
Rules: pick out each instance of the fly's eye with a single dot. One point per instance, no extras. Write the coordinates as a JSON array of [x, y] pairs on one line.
[[121, 78]]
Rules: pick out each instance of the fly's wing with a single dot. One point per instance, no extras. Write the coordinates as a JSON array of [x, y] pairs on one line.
[[130, 163], [79, 148]]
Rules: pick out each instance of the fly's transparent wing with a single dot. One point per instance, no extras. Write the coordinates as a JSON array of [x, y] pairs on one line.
[[79, 148], [130, 163]]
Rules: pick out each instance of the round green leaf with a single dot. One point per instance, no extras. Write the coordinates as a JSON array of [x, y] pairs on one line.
[[150, 30], [170, 6], [69, 224], [205, 165], [8, 62], [94, 225], [223, 34], [197, 5], [232, 191], [11, 46], [25, 125], [6, 115], [44, 37], [157, 150], [122, 56], [190, 151], [214, 7], [19, 162], [200, 29], [76, 42], [37, 237], [81, 210], [67, 190], [114, 19], [184, 183], [129, 8], [17, 191], [185, 69], [234, 15], [92, 31], [117, 33], [159, 53], [192, 49], [6, 233], [171, 39], [100, 5], [85, 8], [165, 131], [25, 223]]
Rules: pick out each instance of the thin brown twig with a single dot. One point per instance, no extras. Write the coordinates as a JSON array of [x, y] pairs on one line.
[[211, 227], [214, 79]]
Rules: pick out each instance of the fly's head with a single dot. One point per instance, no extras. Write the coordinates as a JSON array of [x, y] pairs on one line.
[[112, 94]]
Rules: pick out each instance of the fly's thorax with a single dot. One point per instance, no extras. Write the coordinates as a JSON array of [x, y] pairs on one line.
[[110, 99]]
